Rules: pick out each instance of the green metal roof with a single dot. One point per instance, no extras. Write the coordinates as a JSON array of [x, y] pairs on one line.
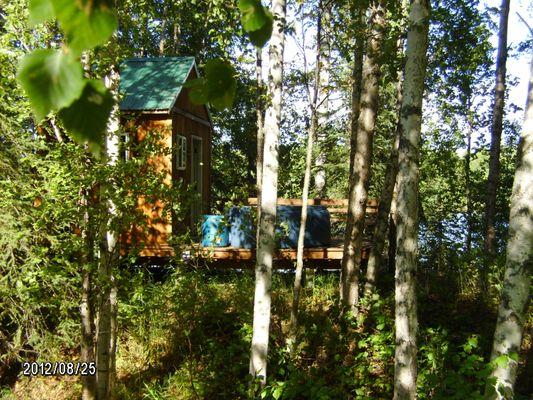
[[153, 83]]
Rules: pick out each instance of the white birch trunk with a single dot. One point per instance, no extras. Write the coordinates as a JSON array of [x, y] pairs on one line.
[[515, 293], [353, 238], [356, 81], [357, 77], [259, 111], [87, 332], [265, 246], [385, 200], [324, 13], [382, 220], [406, 322], [108, 251], [307, 178], [496, 131], [87, 348], [163, 37]]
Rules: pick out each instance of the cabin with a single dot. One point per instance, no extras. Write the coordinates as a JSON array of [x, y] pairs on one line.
[[154, 99]]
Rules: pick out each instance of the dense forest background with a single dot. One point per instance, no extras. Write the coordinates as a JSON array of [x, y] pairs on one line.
[[183, 329]]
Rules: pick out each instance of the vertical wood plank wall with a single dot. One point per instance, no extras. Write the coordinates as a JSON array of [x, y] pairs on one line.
[[158, 231]]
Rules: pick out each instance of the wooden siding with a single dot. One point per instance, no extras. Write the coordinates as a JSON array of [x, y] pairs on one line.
[[184, 103], [155, 237], [156, 234], [189, 128]]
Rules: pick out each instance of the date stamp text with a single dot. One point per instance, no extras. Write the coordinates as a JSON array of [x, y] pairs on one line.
[[58, 368]]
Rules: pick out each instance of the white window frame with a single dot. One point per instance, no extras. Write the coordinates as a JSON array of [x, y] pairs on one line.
[[201, 165], [127, 153], [181, 152]]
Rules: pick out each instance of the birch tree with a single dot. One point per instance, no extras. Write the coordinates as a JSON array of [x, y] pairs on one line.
[[265, 245], [512, 313], [324, 18], [313, 103], [496, 130], [106, 332], [406, 322], [86, 312], [259, 111], [382, 219], [362, 161], [357, 77], [385, 200], [87, 353]]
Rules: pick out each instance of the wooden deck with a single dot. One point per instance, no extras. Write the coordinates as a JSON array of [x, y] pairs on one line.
[[229, 256], [334, 252]]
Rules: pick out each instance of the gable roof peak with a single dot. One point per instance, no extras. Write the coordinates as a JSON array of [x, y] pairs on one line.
[[153, 83]]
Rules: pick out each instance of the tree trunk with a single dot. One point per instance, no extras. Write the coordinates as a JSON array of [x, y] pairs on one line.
[[265, 245], [307, 178], [468, 195], [113, 302], [87, 355], [259, 112], [357, 77], [384, 207], [303, 222], [87, 331], [391, 254], [176, 38], [496, 131], [162, 38], [108, 251], [512, 313], [359, 180], [324, 14], [406, 321]]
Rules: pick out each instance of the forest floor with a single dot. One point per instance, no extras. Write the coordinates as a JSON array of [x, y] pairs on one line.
[[186, 335]]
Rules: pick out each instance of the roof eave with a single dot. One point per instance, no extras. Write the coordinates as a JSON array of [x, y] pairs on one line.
[[146, 111], [193, 65]]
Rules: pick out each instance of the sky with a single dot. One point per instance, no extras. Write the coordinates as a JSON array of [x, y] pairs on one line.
[[517, 67]]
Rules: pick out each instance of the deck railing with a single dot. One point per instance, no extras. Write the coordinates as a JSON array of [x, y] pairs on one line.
[[337, 208]]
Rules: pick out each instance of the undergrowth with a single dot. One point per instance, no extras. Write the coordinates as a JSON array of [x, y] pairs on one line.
[[186, 335]]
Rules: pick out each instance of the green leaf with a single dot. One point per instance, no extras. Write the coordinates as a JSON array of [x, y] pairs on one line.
[[218, 87], [86, 118], [501, 361], [87, 23], [276, 394], [256, 20], [198, 93], [40, 11], [253, 14], [220, 82], [51, 79], [261, 36]]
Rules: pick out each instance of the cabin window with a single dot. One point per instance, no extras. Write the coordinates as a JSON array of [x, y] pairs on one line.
[[126, 151], [181, 152]]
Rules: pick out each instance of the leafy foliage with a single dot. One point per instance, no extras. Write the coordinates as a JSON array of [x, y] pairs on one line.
[[256, 21], [77, 117], [218, 87], [52, 80], [185, 333]]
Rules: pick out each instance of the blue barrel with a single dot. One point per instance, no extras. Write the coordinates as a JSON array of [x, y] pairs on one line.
[[287, 226], [214, 231], [242, 231], [317, 227]]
